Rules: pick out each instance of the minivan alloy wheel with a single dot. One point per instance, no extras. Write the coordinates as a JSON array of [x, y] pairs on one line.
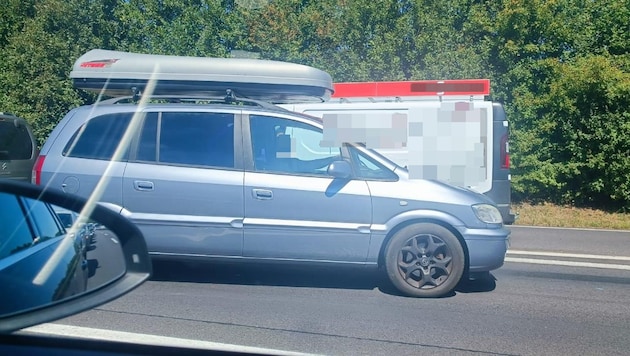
[[424, 260]]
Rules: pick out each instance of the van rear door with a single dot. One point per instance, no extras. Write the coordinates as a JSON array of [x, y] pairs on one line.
[[17, 148]]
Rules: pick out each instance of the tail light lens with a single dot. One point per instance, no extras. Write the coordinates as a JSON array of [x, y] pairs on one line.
[[36, 177], [505, 152]]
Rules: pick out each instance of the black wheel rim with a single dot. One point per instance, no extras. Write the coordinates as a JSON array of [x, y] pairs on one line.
[[425, 261]]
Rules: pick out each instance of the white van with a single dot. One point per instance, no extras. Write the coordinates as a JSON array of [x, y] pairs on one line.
[[442, 130]]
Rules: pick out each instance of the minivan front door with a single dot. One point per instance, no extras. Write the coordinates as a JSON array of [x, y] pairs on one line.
[[293, 209]]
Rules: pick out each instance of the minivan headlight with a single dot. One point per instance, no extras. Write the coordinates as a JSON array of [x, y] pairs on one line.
[[488, 213]]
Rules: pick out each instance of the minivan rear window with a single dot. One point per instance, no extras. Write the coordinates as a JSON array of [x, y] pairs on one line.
[[200, 139], [15, 142], [99, 137]]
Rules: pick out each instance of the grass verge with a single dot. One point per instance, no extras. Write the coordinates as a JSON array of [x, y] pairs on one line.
[[566, 216]]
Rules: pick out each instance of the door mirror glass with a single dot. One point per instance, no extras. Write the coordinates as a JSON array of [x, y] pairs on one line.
[[49, 254]]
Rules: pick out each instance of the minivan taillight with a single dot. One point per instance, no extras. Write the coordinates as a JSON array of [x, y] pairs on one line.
[[36, 177], [505, 152]]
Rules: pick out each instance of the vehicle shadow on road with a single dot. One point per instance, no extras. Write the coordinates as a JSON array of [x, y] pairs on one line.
[[292, 276]]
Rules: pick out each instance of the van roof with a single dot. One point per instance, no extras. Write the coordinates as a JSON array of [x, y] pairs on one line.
[[116, 73]]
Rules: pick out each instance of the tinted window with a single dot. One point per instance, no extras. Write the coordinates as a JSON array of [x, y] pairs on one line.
[[99, 137], [44, 219], [289, 146], [15, 142], [15, 235], [147, 148], [66, 219], [201, 139]]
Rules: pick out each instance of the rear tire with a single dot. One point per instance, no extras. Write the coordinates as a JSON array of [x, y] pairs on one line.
[[424, 260]]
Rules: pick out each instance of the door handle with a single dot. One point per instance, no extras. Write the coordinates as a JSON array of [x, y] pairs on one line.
[[262, 194], [142, 185]]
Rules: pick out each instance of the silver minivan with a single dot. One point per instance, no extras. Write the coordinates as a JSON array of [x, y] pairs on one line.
[[253, 182], [18, 148], [250, 183]]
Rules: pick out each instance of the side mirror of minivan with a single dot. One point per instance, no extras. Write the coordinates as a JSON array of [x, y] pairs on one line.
[[61, 272], [340, 169]]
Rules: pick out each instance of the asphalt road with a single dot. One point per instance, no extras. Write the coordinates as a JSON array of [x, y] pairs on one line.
[[561, 292], [105, 258]]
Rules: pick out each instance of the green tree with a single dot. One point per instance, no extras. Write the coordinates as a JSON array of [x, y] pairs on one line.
[[174, 27], [37, 59], [573, 146], [14, 13]]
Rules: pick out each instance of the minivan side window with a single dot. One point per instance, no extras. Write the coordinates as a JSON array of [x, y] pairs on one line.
[[197, 139], [287, 146], [99, 137]]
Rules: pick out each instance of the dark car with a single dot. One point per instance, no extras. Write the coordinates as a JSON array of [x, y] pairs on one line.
[[32, 234], [18, 148], [69, 218]]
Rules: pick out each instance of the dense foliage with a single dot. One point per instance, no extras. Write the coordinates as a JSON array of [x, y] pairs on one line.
[[561, 67]]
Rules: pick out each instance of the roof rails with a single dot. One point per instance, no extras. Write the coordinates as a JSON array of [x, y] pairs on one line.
[[230, 98], [464, 89], [116, 73]]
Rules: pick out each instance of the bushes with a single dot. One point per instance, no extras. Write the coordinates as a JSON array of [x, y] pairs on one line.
[[572, 142], [559, 67]]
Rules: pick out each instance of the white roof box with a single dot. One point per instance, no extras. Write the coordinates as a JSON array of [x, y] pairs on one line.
[[116, 73]]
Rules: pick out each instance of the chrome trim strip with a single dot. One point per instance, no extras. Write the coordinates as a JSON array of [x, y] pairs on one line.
[[195, 255]]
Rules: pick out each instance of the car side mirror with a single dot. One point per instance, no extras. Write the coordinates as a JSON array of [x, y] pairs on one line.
[[340, 169], [50, 272]]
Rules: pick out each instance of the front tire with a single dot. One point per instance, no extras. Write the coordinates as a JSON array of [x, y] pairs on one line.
[[424, 260]]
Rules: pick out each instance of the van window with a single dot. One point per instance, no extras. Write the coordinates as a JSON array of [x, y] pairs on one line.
[[199, 139], [15, 142], [99, 137]]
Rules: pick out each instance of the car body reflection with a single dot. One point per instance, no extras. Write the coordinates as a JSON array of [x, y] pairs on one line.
[[42, 261]]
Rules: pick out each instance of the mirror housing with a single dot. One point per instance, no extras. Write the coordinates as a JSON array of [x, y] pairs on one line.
[[134, 249], [340, 169]]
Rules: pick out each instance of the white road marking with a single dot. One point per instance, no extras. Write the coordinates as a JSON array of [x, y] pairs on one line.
[[567, 255], [569, 228], [567, 263], [146, 339]]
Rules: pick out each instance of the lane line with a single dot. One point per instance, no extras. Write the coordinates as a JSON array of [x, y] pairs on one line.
[[567, 263], [147, 339], [570, 255], [568, 228]]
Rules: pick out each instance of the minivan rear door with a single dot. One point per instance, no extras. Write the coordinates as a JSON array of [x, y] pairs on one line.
[[184, 182]]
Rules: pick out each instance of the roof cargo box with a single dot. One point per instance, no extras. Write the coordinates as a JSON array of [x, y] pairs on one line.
[[116, 73]]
